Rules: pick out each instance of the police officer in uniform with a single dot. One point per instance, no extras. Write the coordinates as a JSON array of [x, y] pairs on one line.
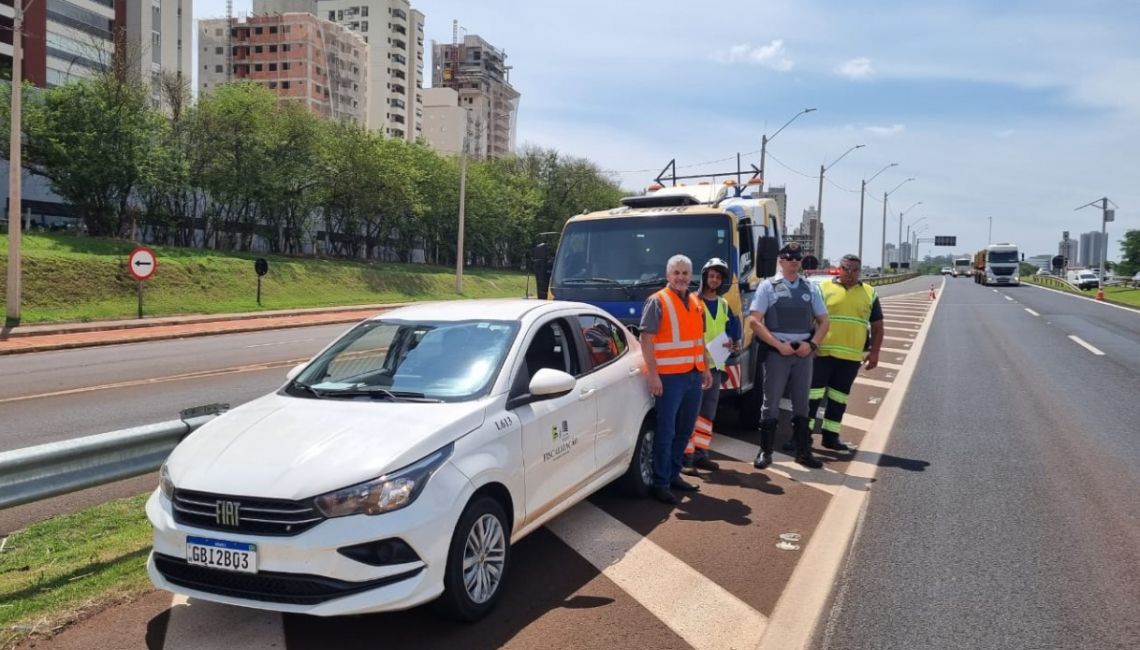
[[789, 316]]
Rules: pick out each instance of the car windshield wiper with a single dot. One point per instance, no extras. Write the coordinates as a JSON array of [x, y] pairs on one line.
[[618, 283], [378, 393], [650, 282], [307, 389]]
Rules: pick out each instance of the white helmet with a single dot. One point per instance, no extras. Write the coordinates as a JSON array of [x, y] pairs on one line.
[[721, 267]]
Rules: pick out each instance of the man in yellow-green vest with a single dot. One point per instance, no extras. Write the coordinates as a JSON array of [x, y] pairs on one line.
[[716, 278], [852, 307]]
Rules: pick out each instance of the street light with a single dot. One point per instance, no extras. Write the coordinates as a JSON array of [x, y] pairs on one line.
[[883, 263], [765, 140], [915, 222], [862, 197], [463, 194], [901, 214], [916, 240], [819, 203]]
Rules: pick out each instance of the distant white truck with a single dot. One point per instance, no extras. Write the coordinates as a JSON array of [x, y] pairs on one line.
[[1083, 279], [963, 267]]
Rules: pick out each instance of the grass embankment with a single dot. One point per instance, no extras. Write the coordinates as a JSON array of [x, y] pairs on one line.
[[72, 278], [54, 572], [1123, 295]]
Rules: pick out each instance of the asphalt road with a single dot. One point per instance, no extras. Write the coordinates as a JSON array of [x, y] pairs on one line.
[[1024, 530]]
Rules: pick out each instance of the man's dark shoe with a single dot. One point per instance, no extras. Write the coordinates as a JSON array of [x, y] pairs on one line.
[[689, 470], [835, 444], [705, 464], [763, 460], [682, 486], [809, 461], [664, 495]]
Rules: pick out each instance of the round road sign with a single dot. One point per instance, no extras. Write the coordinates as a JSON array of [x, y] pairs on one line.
[[142, 263]]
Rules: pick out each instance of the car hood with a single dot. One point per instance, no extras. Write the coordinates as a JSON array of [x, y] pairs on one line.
[[286, 447]]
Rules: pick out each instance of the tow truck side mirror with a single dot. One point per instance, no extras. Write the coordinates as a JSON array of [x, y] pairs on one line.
[[541, 267], [767, 249]]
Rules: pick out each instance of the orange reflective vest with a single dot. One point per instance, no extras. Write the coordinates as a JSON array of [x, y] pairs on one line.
[[679, 344]]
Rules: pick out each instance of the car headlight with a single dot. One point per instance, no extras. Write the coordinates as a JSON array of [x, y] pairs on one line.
[[165, 483], [386, 493]]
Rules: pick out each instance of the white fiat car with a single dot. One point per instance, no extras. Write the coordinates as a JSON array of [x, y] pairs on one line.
[[400, 464]]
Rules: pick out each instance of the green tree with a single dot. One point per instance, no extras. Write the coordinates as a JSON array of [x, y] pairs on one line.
[[1130, 254]]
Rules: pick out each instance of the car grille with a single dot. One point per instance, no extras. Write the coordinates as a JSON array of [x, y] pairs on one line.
[[270, 587], [232, 514]]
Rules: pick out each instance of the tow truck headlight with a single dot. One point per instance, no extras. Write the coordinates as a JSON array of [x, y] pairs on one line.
[[165, 483], [386, 493]]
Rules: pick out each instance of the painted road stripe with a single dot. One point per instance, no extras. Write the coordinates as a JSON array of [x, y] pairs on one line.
[[853, 421], [1032, 312], [894, 350], [824, 480], [889, 366], [863, 381], [1008, 298], [201, 625], [1080, 342], [897, 338], [697, 609]]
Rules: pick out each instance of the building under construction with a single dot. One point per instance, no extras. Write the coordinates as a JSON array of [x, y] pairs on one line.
[[478, 72]]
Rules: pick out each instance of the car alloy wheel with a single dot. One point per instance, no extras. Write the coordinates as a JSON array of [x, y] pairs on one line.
[[484, 559]]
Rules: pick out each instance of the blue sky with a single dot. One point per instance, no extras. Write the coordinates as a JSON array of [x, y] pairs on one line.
[[1022, 111]]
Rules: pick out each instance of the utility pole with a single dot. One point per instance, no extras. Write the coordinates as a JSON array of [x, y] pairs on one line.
[[462, 200], [990, 235], [1106, 215], [862, 200], [15, 166], [883, 270]]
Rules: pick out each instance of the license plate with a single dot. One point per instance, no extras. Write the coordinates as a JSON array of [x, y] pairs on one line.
[[220, 554]]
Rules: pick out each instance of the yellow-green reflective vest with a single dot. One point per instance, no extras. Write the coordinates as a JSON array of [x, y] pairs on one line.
[[849, 311], [714, 327]]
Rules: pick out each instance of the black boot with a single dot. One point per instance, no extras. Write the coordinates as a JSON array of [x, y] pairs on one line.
[[831, 441], [801, 433], [767, 443]]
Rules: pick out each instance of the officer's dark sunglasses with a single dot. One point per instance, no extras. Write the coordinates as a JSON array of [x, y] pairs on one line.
[[791, 258]]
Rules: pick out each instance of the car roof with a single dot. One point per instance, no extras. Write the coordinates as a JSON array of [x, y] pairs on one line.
[[518, 309]]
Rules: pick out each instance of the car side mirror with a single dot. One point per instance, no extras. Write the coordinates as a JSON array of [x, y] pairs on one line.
[[551, 383], [296, 370]]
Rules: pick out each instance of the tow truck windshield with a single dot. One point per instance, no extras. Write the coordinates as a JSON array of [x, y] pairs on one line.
[[633, 251]]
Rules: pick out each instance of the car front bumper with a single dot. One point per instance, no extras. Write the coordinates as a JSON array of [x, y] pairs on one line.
[[305, 573]]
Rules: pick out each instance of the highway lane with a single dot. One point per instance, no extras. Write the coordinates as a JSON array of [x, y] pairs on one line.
[[51, 396], [1024, 530]]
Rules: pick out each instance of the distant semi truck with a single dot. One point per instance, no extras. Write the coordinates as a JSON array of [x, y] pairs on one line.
[[963, 267], [997, 264]]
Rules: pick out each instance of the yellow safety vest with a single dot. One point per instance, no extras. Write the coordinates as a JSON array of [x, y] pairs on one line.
[[716, 325], [849, 311]]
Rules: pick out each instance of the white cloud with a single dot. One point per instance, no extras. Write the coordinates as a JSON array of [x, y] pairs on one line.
[[859, 68], [771, 56], [893, 129]]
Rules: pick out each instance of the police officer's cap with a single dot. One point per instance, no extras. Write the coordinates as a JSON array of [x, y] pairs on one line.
[[792, 250]]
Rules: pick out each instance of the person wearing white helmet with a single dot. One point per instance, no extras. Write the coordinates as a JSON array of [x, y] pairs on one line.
[[719, 319]]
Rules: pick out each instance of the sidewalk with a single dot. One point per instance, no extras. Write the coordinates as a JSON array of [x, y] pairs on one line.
[[40, 338]]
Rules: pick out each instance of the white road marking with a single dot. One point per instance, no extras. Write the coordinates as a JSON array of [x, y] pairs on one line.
[[1080, 342], [897, 338], [825, 480], [202, 625], [1032, 312], [890, 366], [266, 345], [1008, 298], [894, 350], [863, 381], [697, 609]]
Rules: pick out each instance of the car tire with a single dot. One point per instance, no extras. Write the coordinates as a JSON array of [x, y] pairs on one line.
[[638, 477], [482, 538]]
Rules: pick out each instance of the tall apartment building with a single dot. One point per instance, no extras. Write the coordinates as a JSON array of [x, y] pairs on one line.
[[444, 120], [297, 55], [481, 76], [780, 195], [394, 34], [806, 230], [74, 39], [1092, 249], [892, 255], [1068, 248]]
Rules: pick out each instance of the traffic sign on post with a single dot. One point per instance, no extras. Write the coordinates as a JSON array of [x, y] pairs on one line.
[[142, 263]]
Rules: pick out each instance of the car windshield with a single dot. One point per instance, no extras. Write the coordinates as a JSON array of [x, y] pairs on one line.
[[400, 359], [636, 249], [1003, 257]]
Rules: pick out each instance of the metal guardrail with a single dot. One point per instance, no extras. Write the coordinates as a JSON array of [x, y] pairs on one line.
[[889, 279], [44, 471], [1052, 281]]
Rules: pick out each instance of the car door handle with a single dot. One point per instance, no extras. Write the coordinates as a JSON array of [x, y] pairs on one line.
[[586, 393], [633, 372]]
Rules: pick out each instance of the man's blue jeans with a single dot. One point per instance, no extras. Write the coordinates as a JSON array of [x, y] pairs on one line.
[[676, 416]]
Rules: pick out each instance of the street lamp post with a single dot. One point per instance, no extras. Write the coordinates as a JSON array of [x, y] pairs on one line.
[[914, 246], [1106, 215], [819, 203], [764, 145], [15, 167], [462, 201], [883, 263], [915, 222], [901, 214], [862, 199]]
